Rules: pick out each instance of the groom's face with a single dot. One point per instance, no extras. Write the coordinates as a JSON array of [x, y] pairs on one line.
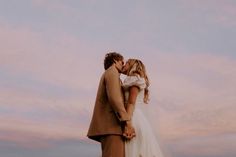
[[119, 65]]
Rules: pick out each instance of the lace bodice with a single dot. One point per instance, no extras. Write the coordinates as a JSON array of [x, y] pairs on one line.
[[134, 81]]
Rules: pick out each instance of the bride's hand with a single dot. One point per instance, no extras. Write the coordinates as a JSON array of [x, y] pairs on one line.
[[129, 131]]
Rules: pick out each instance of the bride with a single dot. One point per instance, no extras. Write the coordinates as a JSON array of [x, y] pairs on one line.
[[135, 85]]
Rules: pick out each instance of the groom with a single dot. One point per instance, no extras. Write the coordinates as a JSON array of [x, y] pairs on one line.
[[110, 123]]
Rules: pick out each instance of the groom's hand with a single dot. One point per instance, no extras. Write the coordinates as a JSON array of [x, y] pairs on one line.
[[129, 131]]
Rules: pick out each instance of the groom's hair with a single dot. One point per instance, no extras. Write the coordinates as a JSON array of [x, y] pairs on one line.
[[110, 59]]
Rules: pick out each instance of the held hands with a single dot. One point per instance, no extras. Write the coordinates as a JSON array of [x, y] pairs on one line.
[[129, 131]]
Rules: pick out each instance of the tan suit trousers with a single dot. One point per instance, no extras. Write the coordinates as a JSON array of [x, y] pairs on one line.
[[113, 146]]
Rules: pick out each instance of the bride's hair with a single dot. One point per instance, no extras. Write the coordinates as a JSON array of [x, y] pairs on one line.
[[138, 68]]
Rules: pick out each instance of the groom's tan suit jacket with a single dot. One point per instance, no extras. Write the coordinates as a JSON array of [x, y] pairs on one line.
[[109, 110]]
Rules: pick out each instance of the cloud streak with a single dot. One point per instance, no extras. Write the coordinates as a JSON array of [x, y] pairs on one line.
[[194, 94]]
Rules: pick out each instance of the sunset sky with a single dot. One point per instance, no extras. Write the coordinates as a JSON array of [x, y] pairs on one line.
[[51, 60]]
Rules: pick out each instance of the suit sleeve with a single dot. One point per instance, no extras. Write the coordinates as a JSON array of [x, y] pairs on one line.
[[114, 95]]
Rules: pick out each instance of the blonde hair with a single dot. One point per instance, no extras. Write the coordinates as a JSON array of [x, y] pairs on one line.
[[138, 68]]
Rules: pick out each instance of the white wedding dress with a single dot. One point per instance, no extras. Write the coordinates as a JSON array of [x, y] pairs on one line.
[[144, 144]]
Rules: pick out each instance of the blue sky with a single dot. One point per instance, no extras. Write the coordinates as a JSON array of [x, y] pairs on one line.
[[51, 57]]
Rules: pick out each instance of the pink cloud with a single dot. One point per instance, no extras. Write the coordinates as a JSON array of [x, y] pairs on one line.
[[25, 131], [60, 59], [68, 115], [194, 94]]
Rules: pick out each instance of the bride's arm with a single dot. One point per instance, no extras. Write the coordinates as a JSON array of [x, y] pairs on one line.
[[129, 131], [133, 92]]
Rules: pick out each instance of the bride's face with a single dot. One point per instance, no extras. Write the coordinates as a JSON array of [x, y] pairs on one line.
[[126, 68]]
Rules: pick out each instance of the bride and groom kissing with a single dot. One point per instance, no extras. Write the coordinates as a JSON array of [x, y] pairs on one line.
[[118, 122]]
